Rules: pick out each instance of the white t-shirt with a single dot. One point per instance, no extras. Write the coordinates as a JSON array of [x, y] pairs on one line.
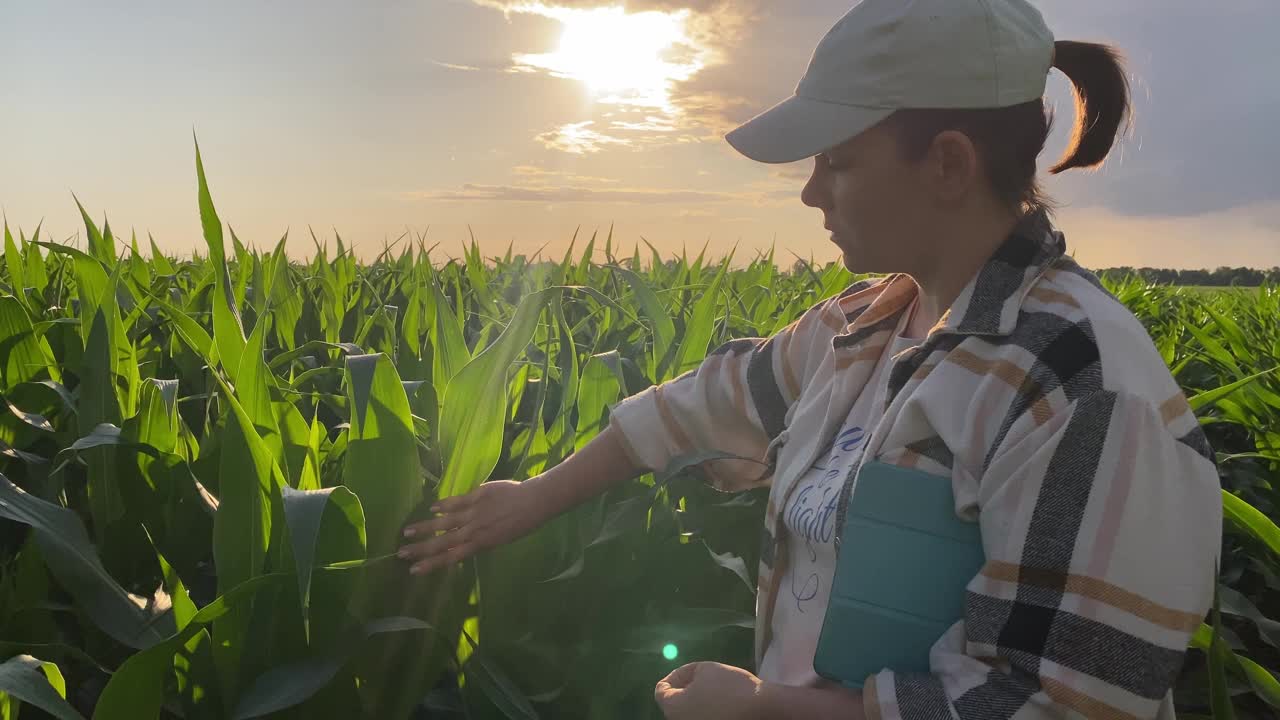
[[809, 520]]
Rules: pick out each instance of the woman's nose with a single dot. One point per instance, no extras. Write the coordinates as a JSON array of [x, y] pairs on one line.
[[814, 193]]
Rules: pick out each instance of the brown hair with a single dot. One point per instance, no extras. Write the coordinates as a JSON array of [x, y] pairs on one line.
[[1009, 139]]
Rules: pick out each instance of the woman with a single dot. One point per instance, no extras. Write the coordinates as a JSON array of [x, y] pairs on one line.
[[987, 356]]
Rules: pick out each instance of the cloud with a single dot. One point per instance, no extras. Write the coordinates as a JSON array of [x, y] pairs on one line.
[[454, 66], [471, 191], [696, 214], [697, 6], [1205, 98], [558, 194], [686, 111], [794, 171], [533, 171], [650, 124], [578, 139], [1203, 139]]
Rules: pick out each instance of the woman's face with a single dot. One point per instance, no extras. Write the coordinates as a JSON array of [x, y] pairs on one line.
[[875, 204]]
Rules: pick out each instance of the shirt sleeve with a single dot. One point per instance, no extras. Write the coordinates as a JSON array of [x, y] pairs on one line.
[[1102, 528], [738, 400]]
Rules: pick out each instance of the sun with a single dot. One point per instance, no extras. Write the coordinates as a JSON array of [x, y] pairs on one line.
[[620, 57]]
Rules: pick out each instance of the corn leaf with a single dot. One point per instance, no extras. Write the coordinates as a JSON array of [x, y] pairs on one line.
[[228, 331], [451, 353], [304, 513], [136, 690], [72, 560], [289, 685], [475, 403], [38, 683], [249, 482], [381, 461], [1250, 519], [24, 356], [701, 324]]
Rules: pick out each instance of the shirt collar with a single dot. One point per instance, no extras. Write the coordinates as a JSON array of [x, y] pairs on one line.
[[989, 302]]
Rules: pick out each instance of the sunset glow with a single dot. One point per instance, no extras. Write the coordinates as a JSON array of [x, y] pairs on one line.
[[622, 58]]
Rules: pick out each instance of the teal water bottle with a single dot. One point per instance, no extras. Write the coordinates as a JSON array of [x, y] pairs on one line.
[[903, 561]]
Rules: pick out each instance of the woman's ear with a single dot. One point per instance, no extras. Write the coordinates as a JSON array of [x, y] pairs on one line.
[[952, 164]]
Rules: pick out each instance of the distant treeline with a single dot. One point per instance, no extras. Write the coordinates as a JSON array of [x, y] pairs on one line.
[[1221, 277]]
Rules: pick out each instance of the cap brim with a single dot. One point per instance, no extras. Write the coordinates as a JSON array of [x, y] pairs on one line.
[[799, 128]]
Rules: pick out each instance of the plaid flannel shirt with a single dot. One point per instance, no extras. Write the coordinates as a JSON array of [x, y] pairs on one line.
[[1066, 438]]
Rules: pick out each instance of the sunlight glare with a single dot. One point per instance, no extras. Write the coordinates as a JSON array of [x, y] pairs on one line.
[[619, 56]]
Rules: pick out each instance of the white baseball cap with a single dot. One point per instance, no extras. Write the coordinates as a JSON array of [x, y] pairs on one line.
[[887, 55]]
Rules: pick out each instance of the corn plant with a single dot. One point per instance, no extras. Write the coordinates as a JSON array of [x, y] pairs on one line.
[[207, 462]]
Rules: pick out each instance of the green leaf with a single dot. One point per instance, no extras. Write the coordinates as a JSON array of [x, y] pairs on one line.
[[91, 280], [598, 390], [1262, 680], [304, 512], [100, 246], [184, 609], [228, 331], [664, 330], [701, 324], [496, 685], [24, 356], [158, 260], [1210, 397], [136, 690], [1235, 603], [17, 269], [295, 437], [36, 273], [1219, 653], [381, 462], [451, 353], [289, 685], [109, 383], [562, 435], [38, 683], [1249, 518], [249, 480], [189, 330], [72, 560], [475, 403], [252, 381]]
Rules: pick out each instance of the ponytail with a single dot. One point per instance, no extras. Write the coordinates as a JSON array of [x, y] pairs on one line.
[[1010, 139], [1102, 101]]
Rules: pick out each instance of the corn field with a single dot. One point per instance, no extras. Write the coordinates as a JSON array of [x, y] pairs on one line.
[[207, 464]]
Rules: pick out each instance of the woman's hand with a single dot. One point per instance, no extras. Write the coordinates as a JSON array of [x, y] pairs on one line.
[[710, 691], [495, 513]]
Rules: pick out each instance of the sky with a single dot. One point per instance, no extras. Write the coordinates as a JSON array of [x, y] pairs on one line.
[[520, 122]]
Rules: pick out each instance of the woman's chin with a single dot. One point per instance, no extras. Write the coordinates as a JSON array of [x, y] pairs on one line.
[[850, 261], [847, 256]]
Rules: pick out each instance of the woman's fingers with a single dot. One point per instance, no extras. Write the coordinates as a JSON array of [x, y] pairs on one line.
[[423, 528], [463, 525], [455, 554], [450, 513], [452, 537], [456, 503]]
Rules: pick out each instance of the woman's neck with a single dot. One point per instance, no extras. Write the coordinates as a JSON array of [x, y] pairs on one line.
[[959, 256]]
